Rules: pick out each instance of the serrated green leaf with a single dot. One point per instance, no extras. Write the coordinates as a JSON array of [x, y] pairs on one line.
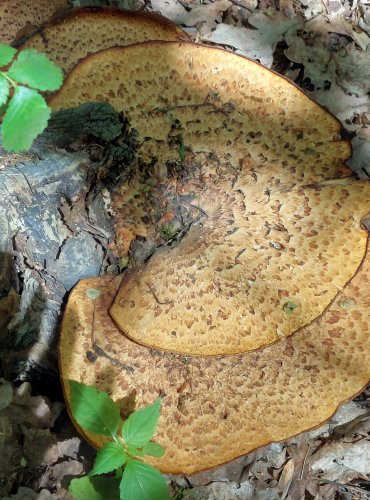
[[4, 89], [141, 425], [153, 449], [142, 482], [6, 54], [95, 488], [36, 70], [82, 489], [25, 118], [94, 410], [109, 458]]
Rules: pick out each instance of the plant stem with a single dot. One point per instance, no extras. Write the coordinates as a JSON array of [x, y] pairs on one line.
[[5, 75]]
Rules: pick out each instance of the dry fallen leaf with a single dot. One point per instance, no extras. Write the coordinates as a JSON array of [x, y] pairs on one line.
[[40, 447], [358, 426], [360, 161], [342, 462], [349, 68], [353, 70], [69, 447], [258, 44], [340, 103], [53, 477], [31, 410], [312, 8], [221, 491], [205, 12], [275, 455], [286, 477], [172, 9]]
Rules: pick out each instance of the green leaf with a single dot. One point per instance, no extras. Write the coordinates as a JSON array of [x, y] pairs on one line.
[[140, 426], [134, 451], [108, 487], [289, 307], [109, 458], [4, 89], [153, 449], [6, 54], [94, 410], [36, 70], [181, 148], [142, 482], [93, 293], [95, 488], [25, 118], [82, 489]]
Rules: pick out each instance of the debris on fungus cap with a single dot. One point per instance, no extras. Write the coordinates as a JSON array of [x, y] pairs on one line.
[[17, 15], [264, 300], [274, 240], [80, 32]]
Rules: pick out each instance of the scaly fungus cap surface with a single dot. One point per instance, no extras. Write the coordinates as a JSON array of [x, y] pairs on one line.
[[15, 15], [280, 220], [80, 32], [280, 212], [215, 409]]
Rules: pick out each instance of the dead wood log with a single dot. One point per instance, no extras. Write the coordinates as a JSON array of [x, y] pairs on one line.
[[54, 229]]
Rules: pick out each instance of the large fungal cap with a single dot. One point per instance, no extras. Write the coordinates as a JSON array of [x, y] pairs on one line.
[[215, 409], [80, 32], [247, 274], [15, 15], [265, 170], [278, 210]]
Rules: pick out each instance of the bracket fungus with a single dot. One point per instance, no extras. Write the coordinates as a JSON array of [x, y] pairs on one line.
[[254, 324], [79, 32], [16, 16]]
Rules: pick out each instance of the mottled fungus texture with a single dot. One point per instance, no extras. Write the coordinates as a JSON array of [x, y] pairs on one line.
[[254, 324], [19, 16], [80, 32]]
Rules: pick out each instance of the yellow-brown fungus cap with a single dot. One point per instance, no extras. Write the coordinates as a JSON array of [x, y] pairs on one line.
[[79, 32], [265, 300], [21, 15], [281, 213]]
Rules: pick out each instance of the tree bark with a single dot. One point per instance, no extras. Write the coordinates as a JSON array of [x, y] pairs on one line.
[[54, 229]]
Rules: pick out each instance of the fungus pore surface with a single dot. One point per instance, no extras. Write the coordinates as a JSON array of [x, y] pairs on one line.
[[278, 211], [252, 323], [18, 16], [79, 32]]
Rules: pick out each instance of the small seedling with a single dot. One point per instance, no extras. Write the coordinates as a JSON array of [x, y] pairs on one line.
[[289, 307], [96, 412], [26, 112], [181, 148]]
